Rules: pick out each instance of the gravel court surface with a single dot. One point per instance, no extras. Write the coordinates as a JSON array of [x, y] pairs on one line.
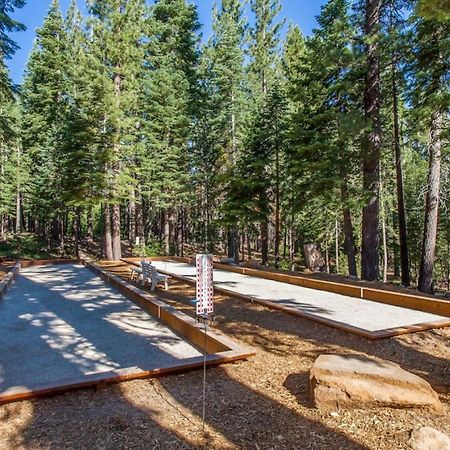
[[364, 314], [59, 322]]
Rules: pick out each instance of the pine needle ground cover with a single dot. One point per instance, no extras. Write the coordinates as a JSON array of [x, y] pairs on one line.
[[258, 404]]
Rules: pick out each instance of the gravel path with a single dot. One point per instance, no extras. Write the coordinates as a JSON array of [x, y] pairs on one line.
[[364, 314], [62, 321]]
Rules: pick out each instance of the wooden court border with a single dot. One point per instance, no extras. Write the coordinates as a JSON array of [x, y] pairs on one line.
[[220, 348], [9, 278], [379, 334]]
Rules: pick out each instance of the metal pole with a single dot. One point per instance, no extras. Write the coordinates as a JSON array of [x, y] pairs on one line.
[[204, 378]]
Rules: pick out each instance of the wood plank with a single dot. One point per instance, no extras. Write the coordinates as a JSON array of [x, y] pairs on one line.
[[8, 279], [20, 393], [425, 304]]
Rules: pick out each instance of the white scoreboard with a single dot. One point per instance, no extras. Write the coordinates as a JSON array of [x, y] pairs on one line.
[[205, 290]]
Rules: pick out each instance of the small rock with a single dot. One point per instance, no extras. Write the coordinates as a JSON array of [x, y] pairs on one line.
[[251, 263], [427, 438], [227, 261], [355, 381], [334, 414]]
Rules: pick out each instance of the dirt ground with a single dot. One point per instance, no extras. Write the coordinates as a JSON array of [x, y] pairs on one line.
[[263, 403]]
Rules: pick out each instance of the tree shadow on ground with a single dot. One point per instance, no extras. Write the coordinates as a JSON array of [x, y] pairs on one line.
[[61, 328], [85, 419], [250, 419], [139, 415], [405, 350], [270, 329]]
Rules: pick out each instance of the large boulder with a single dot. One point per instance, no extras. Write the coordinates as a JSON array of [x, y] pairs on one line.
[[427, 438], [355, 381]]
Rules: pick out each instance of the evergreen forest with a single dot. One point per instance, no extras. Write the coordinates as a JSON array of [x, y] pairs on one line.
[[132, 133]]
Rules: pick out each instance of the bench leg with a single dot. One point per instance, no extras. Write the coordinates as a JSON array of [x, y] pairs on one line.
[[166, 285]]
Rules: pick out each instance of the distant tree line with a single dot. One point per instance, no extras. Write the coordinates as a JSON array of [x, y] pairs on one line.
[[127, 125]]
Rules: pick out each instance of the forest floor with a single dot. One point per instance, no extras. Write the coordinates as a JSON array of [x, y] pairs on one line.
[[262, 403]]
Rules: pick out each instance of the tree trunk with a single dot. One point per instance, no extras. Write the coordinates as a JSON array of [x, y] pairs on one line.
[[349, 237], [115, 233], [132, 221], [432, 205], [18, 211], [277, 209], [61, 229], [76, 231], [233, 243], [336, 245], [166, 232], [404, 259], [107, 237], [264, 243], [140, 220], [384, 237], [90, 226], [372, 144]]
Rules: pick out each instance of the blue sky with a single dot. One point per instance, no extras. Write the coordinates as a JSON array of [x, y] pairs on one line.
[[301, 12]]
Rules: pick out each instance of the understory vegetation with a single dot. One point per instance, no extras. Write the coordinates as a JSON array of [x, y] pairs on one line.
[[130, 129]]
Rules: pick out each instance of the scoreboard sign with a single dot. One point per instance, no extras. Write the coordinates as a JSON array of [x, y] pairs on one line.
[[205, 291]]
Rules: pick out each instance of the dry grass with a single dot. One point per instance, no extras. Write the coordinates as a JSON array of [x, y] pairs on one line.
[[262, 403]]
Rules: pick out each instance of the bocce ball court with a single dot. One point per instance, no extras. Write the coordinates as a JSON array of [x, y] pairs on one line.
[[364, 311], [71, 325]]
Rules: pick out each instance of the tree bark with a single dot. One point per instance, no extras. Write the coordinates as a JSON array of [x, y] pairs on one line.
[[107, 237], [115, 233], [349, 241], [90, 226], [18, 226], [401, 211], [384, 236], [166, 229], [233, 243], [132, 220], [336, 245], [432, 205], [76, 231], [372, 144], [140, 219], [264, 242], [277, 209]]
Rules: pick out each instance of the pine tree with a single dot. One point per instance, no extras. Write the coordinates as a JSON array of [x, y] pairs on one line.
[[43, 117], [264, 43], [117, 29], [169, 97], [227, 79], [372, 142], [263, 68], [7, 46], [430, 96], [327, 117]]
